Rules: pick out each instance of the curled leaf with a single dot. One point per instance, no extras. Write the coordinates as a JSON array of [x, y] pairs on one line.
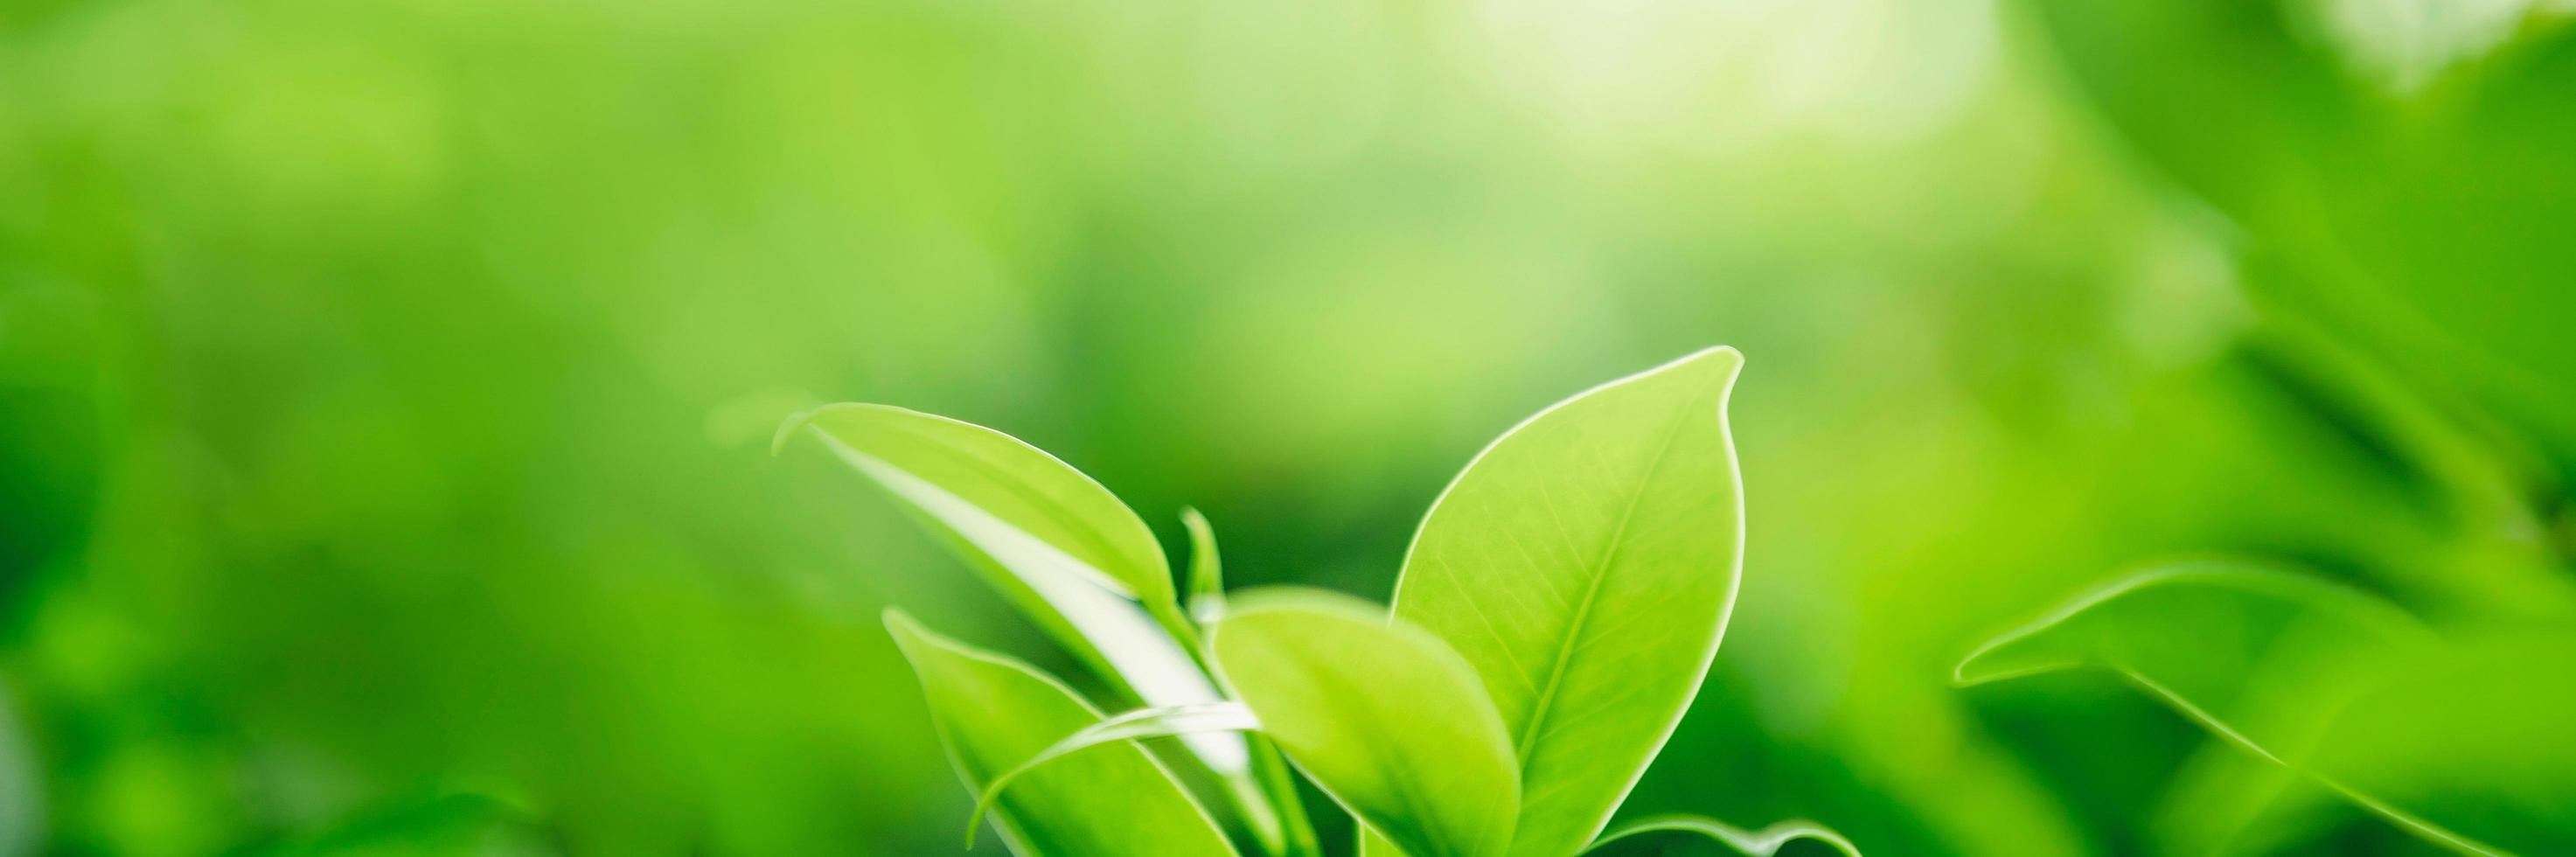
[[994, 712], [1130, 726], [1753, 843]]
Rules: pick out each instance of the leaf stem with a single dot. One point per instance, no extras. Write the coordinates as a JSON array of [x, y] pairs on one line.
[[1294, 835]]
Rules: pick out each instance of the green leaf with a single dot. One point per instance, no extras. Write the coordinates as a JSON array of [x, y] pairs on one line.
[[2260, 656], [1133, 725], [1754, 843], [1207, 575], [2472, 739], [1585, 564], [1059, 545], [1384, 717], [2336, 685], [970, 473], [994, 712]]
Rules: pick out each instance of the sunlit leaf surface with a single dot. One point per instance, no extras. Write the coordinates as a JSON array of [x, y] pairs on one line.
[[1207, 572], [1127, 726], [1061, 546], [1383, 716], [994, 713], [1585, 564]]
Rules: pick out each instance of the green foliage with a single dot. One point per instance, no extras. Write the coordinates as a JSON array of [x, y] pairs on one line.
[[1115, 731], [383, 386], [2459, 742], [1207, 572], [1059, 545], [1599, 540], [1062, 547], [994, 712], [2226, 643], [1752, 843], [2265, 110], [1386, 718], [1585, 564]]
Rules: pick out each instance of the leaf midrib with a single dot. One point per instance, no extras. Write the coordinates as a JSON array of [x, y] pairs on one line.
[[1540, 710]]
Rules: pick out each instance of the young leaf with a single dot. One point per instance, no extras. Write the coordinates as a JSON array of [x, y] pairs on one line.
[[1753, 843], [1277, 786], [1584, 564], [1059, 545], [994, 712], [1133, 725], [1207, 576], [1384, 717]]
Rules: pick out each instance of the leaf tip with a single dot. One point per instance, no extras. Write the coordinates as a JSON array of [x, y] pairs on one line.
[[2006, 657], [787, 429], [907, 632], [1723, 359], [1974, 668]]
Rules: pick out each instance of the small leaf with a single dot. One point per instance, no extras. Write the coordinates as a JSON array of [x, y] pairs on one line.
[[1753, 843], [1060, 546], [994, 712], [1133, 725], [1207, 575], [1383, 716], [1585, 564]]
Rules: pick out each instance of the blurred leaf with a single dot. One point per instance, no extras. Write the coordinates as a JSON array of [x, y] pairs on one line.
[[2203, 637], [447, 825], [1057, 543], [1585, 564], [2376, 156], [2335, 684], [1754, 843], [1130, 726], [994, 712], [2474, 738], [22, 801], [1207, 573], [1384, 717]]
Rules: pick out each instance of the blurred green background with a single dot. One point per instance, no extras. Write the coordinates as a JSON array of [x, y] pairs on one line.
[[385, 385]]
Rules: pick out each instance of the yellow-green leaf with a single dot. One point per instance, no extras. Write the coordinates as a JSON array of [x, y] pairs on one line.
[[1383, 716], [1207, 574], [1752, 843], [1129, 726], [1059, 545], [1585, 564], [994, 713]]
